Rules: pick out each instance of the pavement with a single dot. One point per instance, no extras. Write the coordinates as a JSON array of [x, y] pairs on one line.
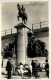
[[4, 75]]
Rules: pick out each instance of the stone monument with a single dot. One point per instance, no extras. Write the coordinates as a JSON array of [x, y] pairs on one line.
[[20, 41]]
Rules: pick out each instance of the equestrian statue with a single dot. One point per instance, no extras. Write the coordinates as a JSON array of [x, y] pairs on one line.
[[22, 13]]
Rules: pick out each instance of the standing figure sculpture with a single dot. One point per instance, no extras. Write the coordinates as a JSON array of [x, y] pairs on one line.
[[22, 13]]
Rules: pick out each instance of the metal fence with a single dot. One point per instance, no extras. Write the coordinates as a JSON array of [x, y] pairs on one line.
[[40, 25], [34, 26], [9, 31]]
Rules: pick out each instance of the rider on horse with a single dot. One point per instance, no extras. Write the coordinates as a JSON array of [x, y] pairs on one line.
[[23, 9], [22, 13]]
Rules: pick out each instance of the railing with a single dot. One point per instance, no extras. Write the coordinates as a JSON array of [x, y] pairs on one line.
[[40, 25], [34, 26], [9, 31]]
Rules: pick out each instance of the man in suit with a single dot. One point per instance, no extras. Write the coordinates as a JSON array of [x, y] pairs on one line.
[[9, 68]]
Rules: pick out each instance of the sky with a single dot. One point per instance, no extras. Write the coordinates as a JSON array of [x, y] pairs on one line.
[[36, 11]]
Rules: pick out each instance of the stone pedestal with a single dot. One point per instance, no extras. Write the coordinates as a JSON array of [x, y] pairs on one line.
[[20, 42]]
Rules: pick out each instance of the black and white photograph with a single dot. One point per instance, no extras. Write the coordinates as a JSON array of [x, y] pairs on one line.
[[25, 40]]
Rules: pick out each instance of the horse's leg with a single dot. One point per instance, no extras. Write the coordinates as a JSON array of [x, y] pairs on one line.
[[26, 19], [22, 20], [18, 18]]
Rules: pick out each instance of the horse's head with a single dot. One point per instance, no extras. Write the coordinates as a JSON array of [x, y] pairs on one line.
[[19, 7]]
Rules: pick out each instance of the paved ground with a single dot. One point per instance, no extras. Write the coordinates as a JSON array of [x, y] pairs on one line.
[[4, 76], [19, 77]]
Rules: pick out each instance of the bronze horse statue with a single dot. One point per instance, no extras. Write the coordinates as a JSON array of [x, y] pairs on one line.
[[22, 14]]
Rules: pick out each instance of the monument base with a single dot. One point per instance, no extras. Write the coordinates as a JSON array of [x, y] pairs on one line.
[[20, 43]]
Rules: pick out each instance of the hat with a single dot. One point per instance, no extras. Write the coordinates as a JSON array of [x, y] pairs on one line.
[[20, 63], [46, 60]]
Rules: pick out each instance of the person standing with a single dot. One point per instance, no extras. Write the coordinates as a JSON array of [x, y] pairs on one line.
[[21, 70], [36, 69], [2, 54], [9, 68], [47, 68], [30, 70], [33, 67]]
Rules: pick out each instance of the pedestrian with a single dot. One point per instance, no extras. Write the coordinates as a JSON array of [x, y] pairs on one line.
[[21, 69], [30, 70], [16, 71], [33, 67], [9, 68], [2, 53], [36, 69], [47, 68]]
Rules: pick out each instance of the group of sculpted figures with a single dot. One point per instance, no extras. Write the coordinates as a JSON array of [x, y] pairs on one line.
[[22, 13]]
